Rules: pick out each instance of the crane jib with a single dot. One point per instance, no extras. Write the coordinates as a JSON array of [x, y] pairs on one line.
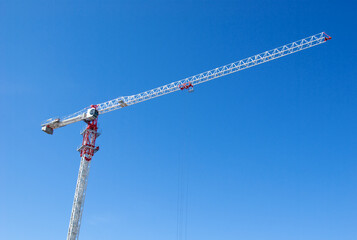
[[188, 83]]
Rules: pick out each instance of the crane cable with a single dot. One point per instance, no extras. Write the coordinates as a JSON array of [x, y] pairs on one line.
[[182, 196]]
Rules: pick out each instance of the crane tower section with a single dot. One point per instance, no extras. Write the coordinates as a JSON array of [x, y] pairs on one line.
[[87, 150]]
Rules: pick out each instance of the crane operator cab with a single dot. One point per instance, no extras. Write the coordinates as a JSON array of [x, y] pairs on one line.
[[91, 114]]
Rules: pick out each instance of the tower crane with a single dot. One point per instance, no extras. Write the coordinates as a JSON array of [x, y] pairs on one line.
[[90, 114]]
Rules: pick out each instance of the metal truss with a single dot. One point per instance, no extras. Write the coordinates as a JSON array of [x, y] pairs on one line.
[[78, 202], [214, 73], [189, 82], [87, 150]]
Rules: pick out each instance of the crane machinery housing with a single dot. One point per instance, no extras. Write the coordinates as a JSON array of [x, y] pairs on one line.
[[90, 114]]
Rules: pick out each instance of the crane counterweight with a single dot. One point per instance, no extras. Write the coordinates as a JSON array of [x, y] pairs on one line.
[[47, 129]]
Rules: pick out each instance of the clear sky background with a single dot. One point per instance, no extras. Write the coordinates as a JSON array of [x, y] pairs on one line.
[[268, 153]]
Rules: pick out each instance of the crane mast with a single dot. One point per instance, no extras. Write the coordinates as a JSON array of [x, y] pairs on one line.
[[78, 202], [87, 150], [90, 114]]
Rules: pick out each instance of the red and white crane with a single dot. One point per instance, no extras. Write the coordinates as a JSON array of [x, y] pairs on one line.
[[90, 114]]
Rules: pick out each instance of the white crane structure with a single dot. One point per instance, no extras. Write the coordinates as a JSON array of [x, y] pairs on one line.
[[90, 114]]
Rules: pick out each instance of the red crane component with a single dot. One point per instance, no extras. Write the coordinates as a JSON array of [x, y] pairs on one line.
[[327, 37], [187, 85], [90, 134]]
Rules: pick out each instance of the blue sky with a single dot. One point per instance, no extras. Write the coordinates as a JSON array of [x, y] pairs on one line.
[[267, 153]]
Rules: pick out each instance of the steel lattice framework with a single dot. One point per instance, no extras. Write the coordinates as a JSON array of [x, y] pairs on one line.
[[249, 62], [78, 202], [90, 114], [87, 150]]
